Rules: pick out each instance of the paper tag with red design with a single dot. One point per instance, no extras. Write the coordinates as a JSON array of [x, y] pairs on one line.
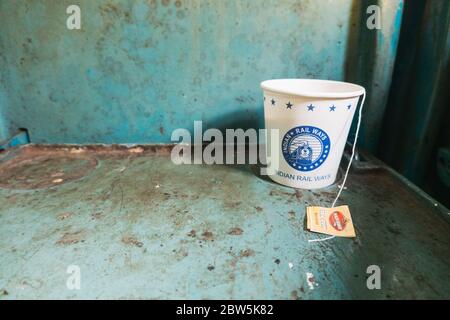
[[335, 221]]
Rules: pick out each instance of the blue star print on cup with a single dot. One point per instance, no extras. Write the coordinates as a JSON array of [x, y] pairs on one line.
[[305, 148]]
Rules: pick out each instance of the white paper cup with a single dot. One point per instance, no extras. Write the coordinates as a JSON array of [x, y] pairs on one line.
[[313, 118]]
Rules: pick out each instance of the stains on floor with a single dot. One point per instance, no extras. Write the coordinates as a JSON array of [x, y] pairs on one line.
[[207, 235], [97, 216], [235, 231], [69, 238], [35, 168], [205, 232], [132, 241], [64, 216], [246, 253], [291, 214], [192, 234]]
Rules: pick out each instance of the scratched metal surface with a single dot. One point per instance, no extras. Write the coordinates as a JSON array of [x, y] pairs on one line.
[[139, 226], [139, 69]]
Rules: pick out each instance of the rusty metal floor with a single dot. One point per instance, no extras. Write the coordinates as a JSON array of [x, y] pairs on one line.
[[139, 226]]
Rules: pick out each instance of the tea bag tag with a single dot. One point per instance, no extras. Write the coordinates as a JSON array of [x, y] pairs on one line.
[[335, 221]]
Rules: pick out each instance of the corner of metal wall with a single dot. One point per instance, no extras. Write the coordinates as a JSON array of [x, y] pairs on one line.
[[418, 99], [370, 59]]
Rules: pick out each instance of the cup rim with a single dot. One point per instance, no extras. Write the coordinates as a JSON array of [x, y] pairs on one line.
[[313, 88]]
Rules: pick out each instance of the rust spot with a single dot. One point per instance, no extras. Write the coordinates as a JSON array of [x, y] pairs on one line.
[[161, 130], [192, 233], [110, 8], [291, 214], [71, 238], [165, 2], [233, 204], [64, 215], [294, 295], [279, 193], [259, 209], [210, 267], [302, 289], [236, 231], [97, 216], [178, 3], [127, 16], [298, 194], [277, 261], [247, 253], [207, 235], [130, 240]]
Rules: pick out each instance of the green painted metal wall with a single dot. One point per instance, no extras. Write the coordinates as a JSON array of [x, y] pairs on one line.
[[139, 69]]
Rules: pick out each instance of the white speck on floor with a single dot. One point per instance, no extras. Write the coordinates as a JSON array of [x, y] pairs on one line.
[[311, 281]]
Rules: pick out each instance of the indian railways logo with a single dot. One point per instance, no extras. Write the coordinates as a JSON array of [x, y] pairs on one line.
[[305, 148]]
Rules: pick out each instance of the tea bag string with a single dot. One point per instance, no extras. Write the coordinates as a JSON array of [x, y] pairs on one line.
[[358, 126]]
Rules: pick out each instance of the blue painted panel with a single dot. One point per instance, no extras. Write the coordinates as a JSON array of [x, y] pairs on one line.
[[139, 69]]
